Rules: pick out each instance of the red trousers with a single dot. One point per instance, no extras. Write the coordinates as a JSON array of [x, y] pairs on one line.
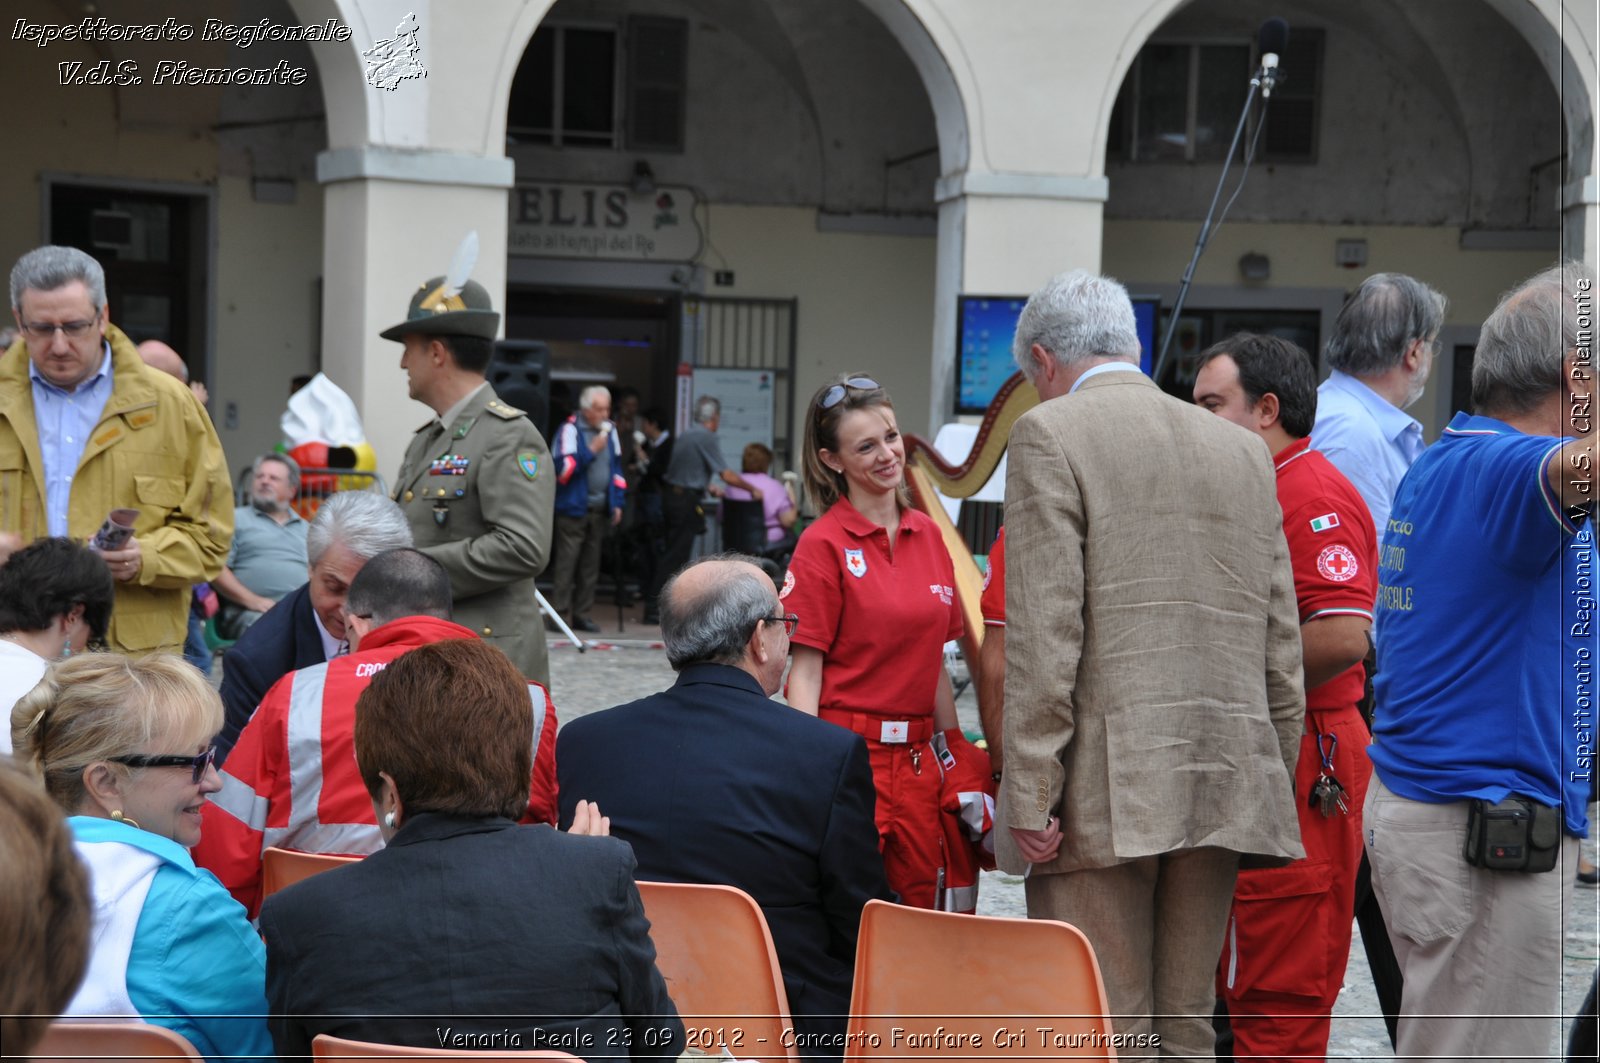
[[910, 834], [1288, 939]]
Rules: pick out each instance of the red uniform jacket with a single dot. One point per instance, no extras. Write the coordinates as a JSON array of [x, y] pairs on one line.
[[292, 779]]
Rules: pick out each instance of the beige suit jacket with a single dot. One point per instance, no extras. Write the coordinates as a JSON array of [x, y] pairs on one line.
[[1153, 686]]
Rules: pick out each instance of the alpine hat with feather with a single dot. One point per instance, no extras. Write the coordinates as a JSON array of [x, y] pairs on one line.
[[451, 305]]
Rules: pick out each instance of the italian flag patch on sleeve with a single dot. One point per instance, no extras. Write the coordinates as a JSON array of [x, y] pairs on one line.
[[1324, 522]]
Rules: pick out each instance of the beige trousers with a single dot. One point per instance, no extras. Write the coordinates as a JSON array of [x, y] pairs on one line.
[[1156, 925], [1481, 951]]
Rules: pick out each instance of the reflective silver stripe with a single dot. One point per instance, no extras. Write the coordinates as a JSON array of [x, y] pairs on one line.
[[536, 695], [305, 746], [242, 803], [352, 838], [304, 830], [1233, 948], [975, 806], [960, 898]]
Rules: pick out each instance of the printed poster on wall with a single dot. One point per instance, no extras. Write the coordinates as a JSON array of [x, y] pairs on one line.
[[746, 397]]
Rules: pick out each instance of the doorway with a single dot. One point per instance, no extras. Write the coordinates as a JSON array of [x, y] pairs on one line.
[[154, 247]]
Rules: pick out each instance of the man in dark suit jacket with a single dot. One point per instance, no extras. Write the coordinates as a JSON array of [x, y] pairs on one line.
[[307, 626], [713, 782]]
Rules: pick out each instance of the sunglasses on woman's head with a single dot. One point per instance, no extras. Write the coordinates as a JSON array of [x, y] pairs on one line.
[[196, 764], [834, 395]]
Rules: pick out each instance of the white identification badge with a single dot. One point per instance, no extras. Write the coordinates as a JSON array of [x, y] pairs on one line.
[[855, 563]]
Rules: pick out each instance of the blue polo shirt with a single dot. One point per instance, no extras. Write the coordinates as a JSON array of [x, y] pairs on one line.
[[1485, 628]]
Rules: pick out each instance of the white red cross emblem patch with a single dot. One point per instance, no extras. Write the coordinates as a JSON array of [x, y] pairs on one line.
[[855, 563], [1338, 563]]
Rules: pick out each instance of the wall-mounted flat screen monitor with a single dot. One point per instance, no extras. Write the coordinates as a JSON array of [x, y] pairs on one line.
[[985, 325]]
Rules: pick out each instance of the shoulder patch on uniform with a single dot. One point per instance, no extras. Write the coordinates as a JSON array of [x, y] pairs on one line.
[[1326, 522], [528, 462], [1338, 563], [788, 585], [502, 411]]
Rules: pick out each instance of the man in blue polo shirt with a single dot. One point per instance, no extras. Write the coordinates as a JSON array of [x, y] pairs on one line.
[[1487, 589]]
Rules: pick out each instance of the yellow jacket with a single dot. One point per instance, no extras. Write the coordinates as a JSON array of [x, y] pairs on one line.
[[153, 450]]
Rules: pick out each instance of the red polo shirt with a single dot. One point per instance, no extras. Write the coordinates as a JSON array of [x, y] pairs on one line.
[[1334, 551], [993, 603], [881, 622]]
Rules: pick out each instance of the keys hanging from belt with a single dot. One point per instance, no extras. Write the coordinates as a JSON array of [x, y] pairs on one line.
[[1328, 793]]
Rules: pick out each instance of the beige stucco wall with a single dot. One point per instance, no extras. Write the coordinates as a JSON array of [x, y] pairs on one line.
[[865, 301], [1302, 256], [268, 264]]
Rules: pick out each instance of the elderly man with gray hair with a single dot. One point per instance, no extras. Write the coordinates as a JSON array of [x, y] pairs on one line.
[[712, 781], [589, 494], [1483, 748], [1381, 352], [268, 558], [1153, 697], [308, 626], [86, 428]]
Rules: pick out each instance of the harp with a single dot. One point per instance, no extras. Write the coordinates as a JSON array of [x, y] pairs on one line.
[[928, 475]]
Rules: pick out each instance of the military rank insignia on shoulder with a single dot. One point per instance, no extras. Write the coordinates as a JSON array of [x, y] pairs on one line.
[[528, 462], [502, 411]]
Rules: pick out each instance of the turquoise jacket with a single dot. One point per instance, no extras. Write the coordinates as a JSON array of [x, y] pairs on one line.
[[196, 965]]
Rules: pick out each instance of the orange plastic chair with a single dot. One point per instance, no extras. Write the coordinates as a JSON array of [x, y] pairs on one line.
[[285, 867], [73, 1041], [935, 985], [328, 1047], [715, 952]]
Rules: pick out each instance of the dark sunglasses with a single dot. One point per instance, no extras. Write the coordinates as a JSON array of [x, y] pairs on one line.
[[835, 395], [196, 764]]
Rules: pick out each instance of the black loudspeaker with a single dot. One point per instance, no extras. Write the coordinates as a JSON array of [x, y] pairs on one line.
[[520, 374]]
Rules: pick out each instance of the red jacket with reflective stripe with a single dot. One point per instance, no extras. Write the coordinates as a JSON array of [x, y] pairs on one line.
[[292, 780]]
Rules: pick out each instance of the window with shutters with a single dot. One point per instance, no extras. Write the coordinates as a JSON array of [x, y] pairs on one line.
[[1180, 102], [578, 86], [658, 53], [1294, 115]]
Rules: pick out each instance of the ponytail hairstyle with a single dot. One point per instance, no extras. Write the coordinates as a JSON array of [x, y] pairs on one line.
[[823, 485]]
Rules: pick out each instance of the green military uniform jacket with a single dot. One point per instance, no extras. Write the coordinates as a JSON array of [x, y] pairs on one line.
[[154, 450], [479, 496]]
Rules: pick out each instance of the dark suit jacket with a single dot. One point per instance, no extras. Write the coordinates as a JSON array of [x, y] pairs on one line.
[[282, 641], [711, 781], [467, 928]]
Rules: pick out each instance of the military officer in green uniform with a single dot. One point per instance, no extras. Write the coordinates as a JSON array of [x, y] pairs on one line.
[[475, 486]]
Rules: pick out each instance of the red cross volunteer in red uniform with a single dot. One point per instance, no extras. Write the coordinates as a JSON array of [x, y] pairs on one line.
[[292, 780], [874, 589], [1288, 938]]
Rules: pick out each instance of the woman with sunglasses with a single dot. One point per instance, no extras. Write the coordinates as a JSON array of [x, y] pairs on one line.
[[124, 747], [874, 586], [55, 596]]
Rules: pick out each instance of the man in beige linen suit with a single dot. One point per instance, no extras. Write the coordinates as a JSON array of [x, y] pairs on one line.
[[1153, 686]]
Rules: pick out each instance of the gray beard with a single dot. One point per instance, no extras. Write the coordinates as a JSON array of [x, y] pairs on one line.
[[268, 505]]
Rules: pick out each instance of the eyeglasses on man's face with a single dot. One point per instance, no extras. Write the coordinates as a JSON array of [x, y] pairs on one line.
[[788, 620], [40, 332], [197, 764], [835, 395]]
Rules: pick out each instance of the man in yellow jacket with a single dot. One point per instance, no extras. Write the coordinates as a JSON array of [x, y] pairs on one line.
[[86, 427]]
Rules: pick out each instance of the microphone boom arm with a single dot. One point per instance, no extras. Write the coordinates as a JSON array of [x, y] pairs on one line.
[[1206, 227]]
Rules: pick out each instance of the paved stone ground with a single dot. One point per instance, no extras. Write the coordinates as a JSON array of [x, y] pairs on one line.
[[598, 678]]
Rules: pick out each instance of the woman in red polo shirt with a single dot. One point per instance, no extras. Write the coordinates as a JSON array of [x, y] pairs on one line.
[[874, 589]]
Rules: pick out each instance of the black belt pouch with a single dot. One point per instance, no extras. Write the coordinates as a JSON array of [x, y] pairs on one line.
[[1516, 834]]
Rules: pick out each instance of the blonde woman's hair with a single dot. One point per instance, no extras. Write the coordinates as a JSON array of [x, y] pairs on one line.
[[95, 706], [822, 433]]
